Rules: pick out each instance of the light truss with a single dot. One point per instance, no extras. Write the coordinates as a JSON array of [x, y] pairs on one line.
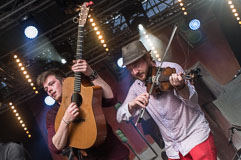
[[160, 12]]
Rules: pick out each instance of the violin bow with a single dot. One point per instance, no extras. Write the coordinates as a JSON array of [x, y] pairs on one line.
[[157, 73]]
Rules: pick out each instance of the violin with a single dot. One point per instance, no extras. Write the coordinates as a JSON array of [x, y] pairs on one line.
[[161, 81]]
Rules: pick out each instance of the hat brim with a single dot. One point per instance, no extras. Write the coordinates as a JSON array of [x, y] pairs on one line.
[[135, 59]]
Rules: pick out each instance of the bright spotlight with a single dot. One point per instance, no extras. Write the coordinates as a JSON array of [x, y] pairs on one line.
[[140, 27], [120, 63], [49, 101], [31, 32], [63, 61], [194, 24]]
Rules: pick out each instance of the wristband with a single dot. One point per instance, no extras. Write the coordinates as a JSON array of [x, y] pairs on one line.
[[65, 122], [93, 76]]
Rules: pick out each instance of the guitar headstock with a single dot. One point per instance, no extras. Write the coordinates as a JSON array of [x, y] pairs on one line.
[[193, 75], [84, 11]]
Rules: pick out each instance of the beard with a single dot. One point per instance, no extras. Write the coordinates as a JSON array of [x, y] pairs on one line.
[[141, 76]]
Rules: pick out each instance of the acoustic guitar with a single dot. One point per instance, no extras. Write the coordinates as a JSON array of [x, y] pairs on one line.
[[89, 128]]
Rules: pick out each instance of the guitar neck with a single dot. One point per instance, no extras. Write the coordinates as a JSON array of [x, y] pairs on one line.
[[79, 48]]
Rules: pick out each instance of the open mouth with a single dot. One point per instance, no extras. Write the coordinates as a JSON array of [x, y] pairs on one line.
[[54, 94]]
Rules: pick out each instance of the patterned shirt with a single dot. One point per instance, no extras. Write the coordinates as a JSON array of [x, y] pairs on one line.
[[181, 121]]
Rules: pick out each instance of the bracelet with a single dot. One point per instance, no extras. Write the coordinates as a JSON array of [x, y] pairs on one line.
[[93, 76], [180, 87], [65, 122]]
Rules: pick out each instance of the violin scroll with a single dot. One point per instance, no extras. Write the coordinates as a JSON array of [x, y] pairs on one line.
[[193, 75]]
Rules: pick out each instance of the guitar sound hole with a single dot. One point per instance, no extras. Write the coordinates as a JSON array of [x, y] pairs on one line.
[[78, 120]]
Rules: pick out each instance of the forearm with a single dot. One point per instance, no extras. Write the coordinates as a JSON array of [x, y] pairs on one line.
[[123, 113], [107, 91], [184, 92], [61, 137]]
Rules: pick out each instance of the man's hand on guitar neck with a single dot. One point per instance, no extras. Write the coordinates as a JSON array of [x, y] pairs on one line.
[[82, 66]]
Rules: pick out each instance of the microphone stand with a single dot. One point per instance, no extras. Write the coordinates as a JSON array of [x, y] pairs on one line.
[[158, 73]]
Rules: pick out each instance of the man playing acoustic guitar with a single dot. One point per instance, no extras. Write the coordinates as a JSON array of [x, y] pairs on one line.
[[51, 80]]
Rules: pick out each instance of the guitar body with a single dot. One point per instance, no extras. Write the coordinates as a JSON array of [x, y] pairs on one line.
[[90, 128]]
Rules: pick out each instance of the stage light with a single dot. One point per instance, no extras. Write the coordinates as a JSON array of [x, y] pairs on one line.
[[31, 32], [63, 61], [49, 101], [140, 27], [120, 63], [135, 15], [194, 24]]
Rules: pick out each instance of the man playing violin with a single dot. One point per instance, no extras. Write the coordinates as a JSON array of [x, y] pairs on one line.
[[51, 80], [182, 123]]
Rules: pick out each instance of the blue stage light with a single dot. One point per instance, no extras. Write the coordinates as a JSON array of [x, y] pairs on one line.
[[194, 24], [31, 32], [49, 101], [120, 63]]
